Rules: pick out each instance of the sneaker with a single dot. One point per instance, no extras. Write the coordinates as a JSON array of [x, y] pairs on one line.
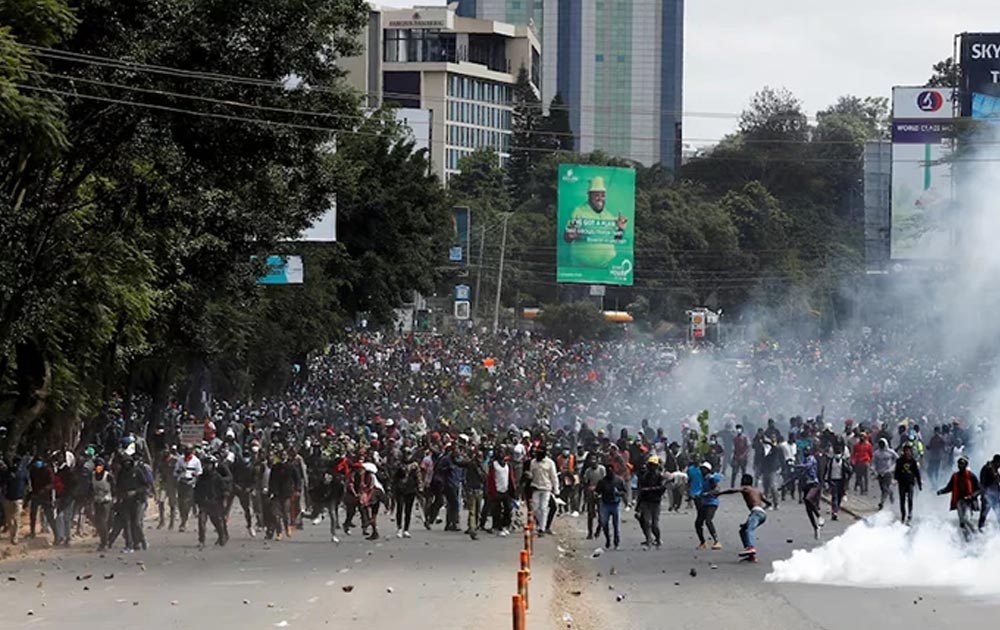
[[277, 536], [833, 517], [702, 547], [717, 546], [541, 534], [399, 533], [575, 514], [504, 533], [406, 534], [252, 532], [317, 520], [607, 544], [821, 522], [335, 540]]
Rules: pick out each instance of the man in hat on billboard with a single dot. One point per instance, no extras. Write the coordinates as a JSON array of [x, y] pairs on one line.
[[592, 230]]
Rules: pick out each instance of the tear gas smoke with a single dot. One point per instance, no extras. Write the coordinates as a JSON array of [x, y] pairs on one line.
[[884, 553], [956, 320]]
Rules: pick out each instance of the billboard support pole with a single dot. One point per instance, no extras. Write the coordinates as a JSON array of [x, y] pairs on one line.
[[503, 251]]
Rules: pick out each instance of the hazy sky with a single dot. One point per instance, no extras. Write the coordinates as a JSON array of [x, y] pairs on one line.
[[818, 49]]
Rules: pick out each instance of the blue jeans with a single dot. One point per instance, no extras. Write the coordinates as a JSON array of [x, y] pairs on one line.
[[611, 513], [757, 518]]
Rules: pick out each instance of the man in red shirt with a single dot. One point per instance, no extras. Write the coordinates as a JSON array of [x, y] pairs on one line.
[[861, 459]]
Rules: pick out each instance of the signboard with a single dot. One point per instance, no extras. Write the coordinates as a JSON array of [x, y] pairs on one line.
[[921, 177], [323, 229], [462, 309], [596, 225], [424, 18], [698, 322], [191, 434], [465, 371], [283, 270], [598, 290], [463, 292], [461, 222], [980, 80]]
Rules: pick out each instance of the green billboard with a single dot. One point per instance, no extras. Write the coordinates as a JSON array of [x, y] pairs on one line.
[[596, 229]]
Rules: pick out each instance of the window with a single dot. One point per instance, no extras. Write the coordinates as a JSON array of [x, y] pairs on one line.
[[621, 58], [599, 57]]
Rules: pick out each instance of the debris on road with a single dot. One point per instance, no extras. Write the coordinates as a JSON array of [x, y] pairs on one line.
[[80, 578], [347, 589], [693, 573], [109, 576], [597, 553], [620, 597], [713, 566]]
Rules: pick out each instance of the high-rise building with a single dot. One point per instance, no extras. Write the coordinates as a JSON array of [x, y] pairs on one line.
[[462, 70], [618, 65]]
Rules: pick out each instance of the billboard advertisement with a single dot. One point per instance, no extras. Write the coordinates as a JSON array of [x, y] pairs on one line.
[[922, 128], [283, 270], [596, 225], [979, 59]]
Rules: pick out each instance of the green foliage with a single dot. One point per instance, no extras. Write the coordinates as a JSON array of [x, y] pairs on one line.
[[573, 321], [129, 223], [946, 73], [703, 433], [481, 185]]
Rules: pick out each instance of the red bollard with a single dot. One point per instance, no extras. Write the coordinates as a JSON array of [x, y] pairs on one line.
[[525, 560], [517, 612], [522, 587]]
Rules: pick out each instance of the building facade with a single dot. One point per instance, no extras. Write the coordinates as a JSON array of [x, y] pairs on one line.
[[618, 64], [462, 70]]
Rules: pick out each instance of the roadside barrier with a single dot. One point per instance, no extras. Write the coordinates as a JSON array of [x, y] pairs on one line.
[[520, 602]]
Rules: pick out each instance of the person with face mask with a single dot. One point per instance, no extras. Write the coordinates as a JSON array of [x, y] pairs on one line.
[[964, 488], [103, 486], [544, 484], [884, 462], [187, 470]]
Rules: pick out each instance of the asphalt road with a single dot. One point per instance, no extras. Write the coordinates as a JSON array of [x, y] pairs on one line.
[[437, 580], [635, 588]]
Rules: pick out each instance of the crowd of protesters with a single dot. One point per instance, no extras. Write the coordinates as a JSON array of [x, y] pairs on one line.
[[424, 427]]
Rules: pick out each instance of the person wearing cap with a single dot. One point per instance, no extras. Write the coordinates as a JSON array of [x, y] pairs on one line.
[[709, 504], [989, 478], [964, 489], [651, 490]]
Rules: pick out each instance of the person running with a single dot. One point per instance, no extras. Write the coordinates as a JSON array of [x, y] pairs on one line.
[[593, 472], [405, 486], [989, 478], [907, 476], [709, 503], [884, 461], [964, 489], [756, 503], [610, 492], [807, 474], [837, 472]]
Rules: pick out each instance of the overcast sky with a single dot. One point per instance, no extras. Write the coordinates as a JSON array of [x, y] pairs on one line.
[[818, 49]]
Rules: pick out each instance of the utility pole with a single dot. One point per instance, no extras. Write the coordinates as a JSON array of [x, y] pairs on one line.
[[479, 271], [503, 251]]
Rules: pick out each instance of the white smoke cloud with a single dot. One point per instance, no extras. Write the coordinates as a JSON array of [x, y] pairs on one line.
[[884, 553]]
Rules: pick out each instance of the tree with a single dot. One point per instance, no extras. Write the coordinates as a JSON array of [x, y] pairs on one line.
[[557, 133], [131, 209], [395, 218], [573, 321], [481, 185], [528, 143], [946, 73], [774, 116]]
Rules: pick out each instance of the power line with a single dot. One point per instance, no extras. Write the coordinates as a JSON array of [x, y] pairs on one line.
[[98, 60]]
